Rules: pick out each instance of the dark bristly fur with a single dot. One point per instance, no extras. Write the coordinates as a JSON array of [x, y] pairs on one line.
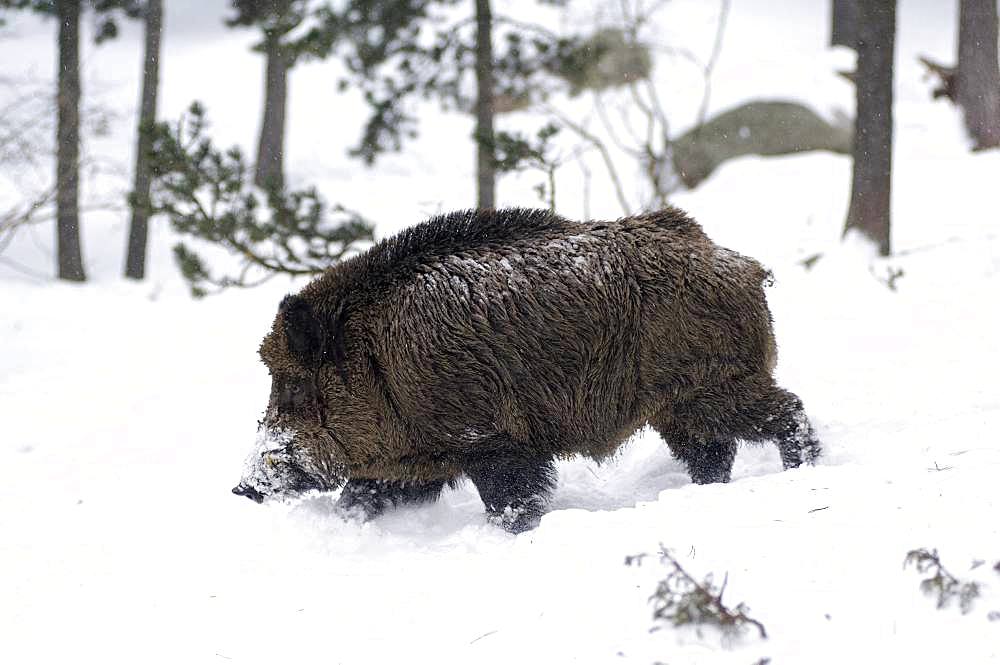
[[488, 343]]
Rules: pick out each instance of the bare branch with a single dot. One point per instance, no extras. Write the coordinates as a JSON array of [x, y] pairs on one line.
[[609, 128], [710, 65], [945, 75], [583, 133]]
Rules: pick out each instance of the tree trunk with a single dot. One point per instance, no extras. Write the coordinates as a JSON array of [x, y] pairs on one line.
[[271, 148], [844, 23], [485, 162], [871, 187], [135, 262], [977, 81], [69, 256]]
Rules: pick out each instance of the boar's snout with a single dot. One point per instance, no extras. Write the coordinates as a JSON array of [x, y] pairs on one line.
[[248, 492]]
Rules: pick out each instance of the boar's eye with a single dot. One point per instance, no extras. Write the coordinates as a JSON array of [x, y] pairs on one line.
[[292, 394]]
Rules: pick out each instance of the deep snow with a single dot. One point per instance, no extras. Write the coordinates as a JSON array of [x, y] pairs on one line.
[[127, 409]]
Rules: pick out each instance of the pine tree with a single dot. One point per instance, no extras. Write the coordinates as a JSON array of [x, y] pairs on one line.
[[135, 261], [69, 260], [420, 51], [486, 178], [290, 31], [844, 23], [208, 195], [977, 77], [871, 185]]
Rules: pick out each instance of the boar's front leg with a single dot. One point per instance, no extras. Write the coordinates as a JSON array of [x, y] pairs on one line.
[[367, 498], [708, 460], [707, 455], [513, 483]]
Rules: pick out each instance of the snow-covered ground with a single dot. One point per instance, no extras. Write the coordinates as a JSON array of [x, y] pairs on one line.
[[126, 411]]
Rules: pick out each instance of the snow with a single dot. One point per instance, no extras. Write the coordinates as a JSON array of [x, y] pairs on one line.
[[127, 409], [260, 471]]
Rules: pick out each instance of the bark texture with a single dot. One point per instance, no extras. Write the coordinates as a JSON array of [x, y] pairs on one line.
[[844, 23], [135, 261], [485, 162], [871, 186], [977, 82], [69, 254], [271, 147]]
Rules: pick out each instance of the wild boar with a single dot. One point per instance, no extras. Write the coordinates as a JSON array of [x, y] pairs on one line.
[[487, 344]]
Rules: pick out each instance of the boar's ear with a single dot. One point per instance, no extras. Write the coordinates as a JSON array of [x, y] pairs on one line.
[[302, 330]]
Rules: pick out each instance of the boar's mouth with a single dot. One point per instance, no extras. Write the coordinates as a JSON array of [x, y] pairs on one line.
[[248, 492], [277, 468]]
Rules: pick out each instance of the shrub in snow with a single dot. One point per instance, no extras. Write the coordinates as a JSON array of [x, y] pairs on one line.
[[610, 58], [941, 583], [681, 600], [488, 343]]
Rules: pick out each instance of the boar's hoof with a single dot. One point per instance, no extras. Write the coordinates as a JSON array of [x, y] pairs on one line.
[[365, 499], [515, 487], [519, 518]]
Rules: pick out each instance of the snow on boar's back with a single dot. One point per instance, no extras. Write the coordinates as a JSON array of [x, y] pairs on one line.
[[487, 344]]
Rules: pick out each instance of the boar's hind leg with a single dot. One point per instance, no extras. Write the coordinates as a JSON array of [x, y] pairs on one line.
[[370, 498], [514, 486], [752, 410], [778, 416], [756, 410]]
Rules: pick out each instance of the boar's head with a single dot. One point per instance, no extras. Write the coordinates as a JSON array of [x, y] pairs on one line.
[[296, 451]]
